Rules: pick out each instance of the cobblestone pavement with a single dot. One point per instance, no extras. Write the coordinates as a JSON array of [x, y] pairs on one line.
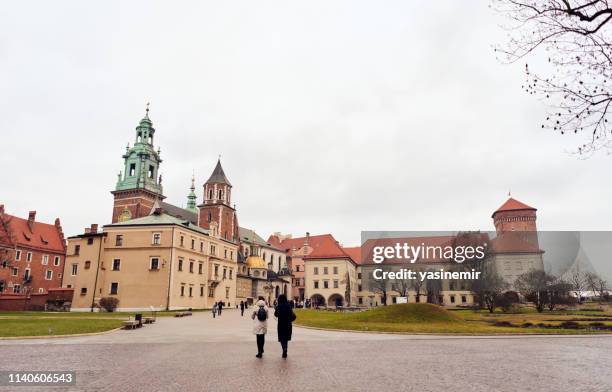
[[201, 354]]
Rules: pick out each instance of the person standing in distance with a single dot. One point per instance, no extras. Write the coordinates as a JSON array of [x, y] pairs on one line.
[[260, 324], [241, 308]]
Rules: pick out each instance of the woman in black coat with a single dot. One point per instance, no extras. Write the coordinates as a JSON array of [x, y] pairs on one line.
[[285, 316]]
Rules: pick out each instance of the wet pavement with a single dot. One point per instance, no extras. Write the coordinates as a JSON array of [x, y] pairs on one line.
[[199, 353]]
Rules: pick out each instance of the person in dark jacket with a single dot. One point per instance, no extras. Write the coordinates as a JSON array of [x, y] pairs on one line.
[[242, 308], [220, 306], [285, 316]]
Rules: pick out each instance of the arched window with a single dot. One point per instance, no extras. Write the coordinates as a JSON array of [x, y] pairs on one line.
[[210, 194]]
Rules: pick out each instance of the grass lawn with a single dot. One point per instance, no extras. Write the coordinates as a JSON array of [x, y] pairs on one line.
[[34, 326], [427, 318]]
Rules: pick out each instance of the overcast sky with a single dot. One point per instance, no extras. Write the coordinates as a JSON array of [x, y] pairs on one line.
[[331, 117]]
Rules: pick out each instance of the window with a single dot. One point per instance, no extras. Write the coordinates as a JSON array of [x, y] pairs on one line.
[[154, 263], [316, 270], [16, 288], [227, 290], [463, 299], [56, 261], [116, 265], [151, 171], [15, 271], [335, 270], [359, 287], [41, 290], [221, 194], [87, 264], [192, 244], [224, 273], [211, 292], [17, 255], [1, 286], [180, 265], [200, 266], [190, 291], [114, 288], [452, 299], [213, 250], [26, 275], [201, 290], [358, 275], [225, 253], [156, 238], [335, 284], [119, 240], [182, 241], [133, 168], [297, 268], [360, 299], [75, 269], [201, 247], [77, 250], [216, 271], [316, 284], [49, 275], [29, 256], [45, 259], [325, 284], [191, 266], [325, 270], [83, 290], [182, 289], [231, 273], [90, 241]]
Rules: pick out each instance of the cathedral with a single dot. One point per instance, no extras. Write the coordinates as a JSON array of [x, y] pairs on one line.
[[157, 255]]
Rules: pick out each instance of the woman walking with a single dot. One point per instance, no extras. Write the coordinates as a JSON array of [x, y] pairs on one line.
[[214, 310], [285, 317], [260, 324]]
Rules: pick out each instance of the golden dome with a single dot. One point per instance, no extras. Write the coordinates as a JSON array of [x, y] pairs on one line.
[[255, 262]]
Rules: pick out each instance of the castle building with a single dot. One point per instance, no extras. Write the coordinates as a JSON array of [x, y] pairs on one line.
[[32, 254], [154, 254], [262, 269]]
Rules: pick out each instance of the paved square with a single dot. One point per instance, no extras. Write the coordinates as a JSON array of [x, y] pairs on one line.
[[199, 353]]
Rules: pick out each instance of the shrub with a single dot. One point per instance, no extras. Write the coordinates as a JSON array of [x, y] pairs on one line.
[[527, 325], [503, 324], [507, 300], [109, 303], [569, 325]]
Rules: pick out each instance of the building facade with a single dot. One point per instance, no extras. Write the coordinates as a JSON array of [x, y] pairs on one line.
[[32, 254]]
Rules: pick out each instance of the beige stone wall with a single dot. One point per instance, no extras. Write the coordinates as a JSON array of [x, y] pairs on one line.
[[510, 265], [178, 283], [335, 275], [86, 266]]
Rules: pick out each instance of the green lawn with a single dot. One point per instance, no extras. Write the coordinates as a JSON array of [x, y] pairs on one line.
[[427, 318], [33, 326]]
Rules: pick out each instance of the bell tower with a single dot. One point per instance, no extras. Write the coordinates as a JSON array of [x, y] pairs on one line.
[[217, 206], [139, 184]]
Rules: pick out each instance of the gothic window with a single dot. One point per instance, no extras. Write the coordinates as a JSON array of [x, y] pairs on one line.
[[221, 194], [210, 194], [132, 169], [151, 171]]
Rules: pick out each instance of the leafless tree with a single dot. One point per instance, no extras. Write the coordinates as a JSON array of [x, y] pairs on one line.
[[596, 284], [577, 282], [575, 38], [534, 286], [488, 288]]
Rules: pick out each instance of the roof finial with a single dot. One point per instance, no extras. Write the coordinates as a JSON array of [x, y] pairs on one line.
[[219, 156], [147, 109], [509, 193]]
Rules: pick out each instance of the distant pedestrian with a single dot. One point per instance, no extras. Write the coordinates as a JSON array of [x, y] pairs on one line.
[[220, 306], [260, 324], [242, 308], [214, 310], [285, 315]]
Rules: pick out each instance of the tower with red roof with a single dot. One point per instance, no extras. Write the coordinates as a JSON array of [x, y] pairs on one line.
[[514, 215]]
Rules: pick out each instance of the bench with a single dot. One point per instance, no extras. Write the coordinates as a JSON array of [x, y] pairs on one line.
[[131, 324], [182, 314], [149, 320]]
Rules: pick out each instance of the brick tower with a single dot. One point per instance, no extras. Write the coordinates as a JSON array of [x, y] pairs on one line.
[[514, 216], [216, 213], [139, 185]]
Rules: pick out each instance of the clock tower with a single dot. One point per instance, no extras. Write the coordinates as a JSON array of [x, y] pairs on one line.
[[216, 213], [139, 184]]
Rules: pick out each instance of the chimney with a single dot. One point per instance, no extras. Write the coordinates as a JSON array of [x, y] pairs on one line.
[[94, 228], [31, 220], [307, 239], [87, 230]]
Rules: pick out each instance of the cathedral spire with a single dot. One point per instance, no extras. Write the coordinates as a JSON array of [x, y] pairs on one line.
[[191, 198]]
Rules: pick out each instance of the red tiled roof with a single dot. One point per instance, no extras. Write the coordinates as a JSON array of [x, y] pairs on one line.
[[354, 253], [513, 205], [516, 242], [324, 246], [42, 236]]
